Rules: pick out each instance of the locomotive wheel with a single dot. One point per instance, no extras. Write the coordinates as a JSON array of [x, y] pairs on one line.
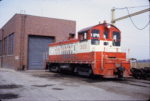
[[90, 72], [54, 68], [75, 71], [78, 71]]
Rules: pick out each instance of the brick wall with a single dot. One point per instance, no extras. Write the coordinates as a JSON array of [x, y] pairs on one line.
[[23, 26]]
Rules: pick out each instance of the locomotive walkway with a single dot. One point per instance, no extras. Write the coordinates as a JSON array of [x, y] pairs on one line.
[[39, 85]]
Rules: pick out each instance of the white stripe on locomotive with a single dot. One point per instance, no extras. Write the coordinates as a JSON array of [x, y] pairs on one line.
[[83, 47]]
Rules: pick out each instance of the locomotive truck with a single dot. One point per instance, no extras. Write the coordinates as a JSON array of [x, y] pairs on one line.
[[96, 51]]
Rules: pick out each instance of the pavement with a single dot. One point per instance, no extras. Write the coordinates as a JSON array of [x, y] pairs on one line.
[[40, 85]]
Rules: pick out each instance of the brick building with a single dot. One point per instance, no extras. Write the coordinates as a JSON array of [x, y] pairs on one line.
[[24, 40]]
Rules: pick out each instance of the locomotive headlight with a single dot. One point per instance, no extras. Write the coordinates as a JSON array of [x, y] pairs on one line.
[[108, 26]]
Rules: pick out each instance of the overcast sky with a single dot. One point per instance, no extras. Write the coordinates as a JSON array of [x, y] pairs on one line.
[[87, 13]]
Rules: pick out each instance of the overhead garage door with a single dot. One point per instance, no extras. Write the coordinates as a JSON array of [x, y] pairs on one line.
[[38, 47]]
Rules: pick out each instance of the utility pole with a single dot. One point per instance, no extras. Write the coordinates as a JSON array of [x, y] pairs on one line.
[[126, 16]]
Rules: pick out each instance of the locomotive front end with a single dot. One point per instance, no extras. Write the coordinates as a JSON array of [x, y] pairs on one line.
[[110, 60], [116, 66]]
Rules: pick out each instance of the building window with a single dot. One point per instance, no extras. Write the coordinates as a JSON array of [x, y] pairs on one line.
[[0, 47], [5, 46], [11, 44]]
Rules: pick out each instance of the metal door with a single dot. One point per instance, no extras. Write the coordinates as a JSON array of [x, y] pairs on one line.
[[38, 47]]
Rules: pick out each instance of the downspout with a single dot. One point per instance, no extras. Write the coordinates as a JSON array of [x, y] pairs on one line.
[[22, 35]]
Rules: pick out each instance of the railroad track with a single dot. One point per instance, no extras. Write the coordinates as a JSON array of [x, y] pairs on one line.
[[136, 82]]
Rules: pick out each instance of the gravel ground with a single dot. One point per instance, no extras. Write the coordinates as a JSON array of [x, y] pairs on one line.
[[39, 85]]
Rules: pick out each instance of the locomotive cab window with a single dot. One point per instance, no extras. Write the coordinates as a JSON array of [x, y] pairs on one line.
[[106, 34], [116, 39], [83, 36], [95, 35]]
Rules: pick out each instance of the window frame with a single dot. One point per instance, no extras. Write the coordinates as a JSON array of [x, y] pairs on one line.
[[82, 36], [95, 31], [1, 48], [95, 40], [117, 41]]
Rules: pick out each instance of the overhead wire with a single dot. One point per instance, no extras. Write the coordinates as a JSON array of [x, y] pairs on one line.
[[134, 23], [131, 7], [127, 9]]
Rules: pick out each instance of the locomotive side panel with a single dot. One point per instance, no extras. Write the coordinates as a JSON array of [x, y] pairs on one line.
[[71, 53]]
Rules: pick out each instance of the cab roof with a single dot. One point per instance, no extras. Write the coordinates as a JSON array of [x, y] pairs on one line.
[[90, 27]]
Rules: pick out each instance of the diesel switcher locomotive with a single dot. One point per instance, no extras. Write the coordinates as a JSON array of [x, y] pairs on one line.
[[96, 51]]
